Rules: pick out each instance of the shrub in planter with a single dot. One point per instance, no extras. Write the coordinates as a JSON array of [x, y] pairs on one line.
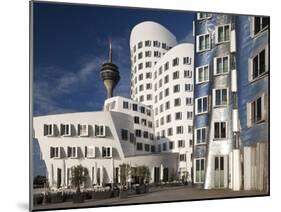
[[38, 199]]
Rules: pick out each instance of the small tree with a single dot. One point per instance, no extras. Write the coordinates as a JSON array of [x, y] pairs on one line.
[[143, 174], [40, 181], [124, 173], [79, 176]]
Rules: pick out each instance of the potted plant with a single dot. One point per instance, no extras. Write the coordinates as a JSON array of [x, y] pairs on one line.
[[124, 174], [143, 175]]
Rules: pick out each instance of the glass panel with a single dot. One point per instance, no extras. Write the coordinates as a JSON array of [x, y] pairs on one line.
[[203, 135], [225, 64], [257, 25], [262, 62], [199, 105], [255, 67], [218, 97], [220, 34], [201, 42], [199, 139], [221, 163], [226, 33], [202, 165], [259, 110], [216, 163], [206, 73], [205, 104], [265, 22], [207, 42], [224, 96], [217, 131], [219, 66], [223, 130]]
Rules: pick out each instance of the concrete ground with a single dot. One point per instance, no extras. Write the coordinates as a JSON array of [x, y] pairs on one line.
[[164, 194]]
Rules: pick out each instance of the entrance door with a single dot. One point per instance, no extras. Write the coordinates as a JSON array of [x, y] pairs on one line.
[[165, 174], [58, 178], [219, 171], [156, 174]]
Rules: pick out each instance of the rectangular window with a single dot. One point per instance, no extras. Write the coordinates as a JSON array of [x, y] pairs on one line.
[[157, 54], [221, 65], [201, 135], [151, 136], [203, 16], [176, 75], [220, 97], [138, 133], [167, 105], [220, 130], [148, 97], [187, 60], [259, 64], [152, 148], [148, 75], [175, 61], [166, 79], [176, 88], [187, 74], [72, 152], [135, 107], [188, 87], [256, 111], [139, 146], [203, 42], [106, 152], [139, 45], [189, 101], [166, 92], [171, 145], [182, 157], [201, 105], [164, 145], [199, 170], [260, 24], [136, 120], [189, 115], [202, 74], [132, 138], [222, 33], [90, 151], [177, 102], [166, 66], [190, 129], [83, 130], [179, 129], [65, 129], [55, 152], [140, 55], [168, 118], [148, 64], [49, 130], [147, 43], [147, 147], [178, 116], [124, 134], [140, 66], [145, 134], [170, 131], [100, 130]]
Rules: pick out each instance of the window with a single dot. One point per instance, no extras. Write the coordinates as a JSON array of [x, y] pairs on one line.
[[156, 43], [260, 24], [106, 152], [55, 152], [168, 118], [148, 76], [134, 48], [189, 101], [203, 16], [187, 74], [220, 97], [143, 122], [140, 55], [157, 54], [178, 116], [166, 66], [161, 108], [160, 70], [201, 105], [141, 88], [148, 86], [100, 130], [139, 45], [170, 131], [138, 133], [190, 128], [142, 109], [259, 64], [188, 87], [148, 112], [135, 107], [136, 120], [163, 134], [256, 111], [90, 151], [160, 83], [148, 97], [139, 146], [140, 77], [221, 65], [167, 105], [65, 129], [171, 145], [152, 148], [201, 135], [176, 88], [148, 64], [132, 138], [199, 170], [151, 136], [189, 115], [222, 33], [141, 98], [187, 60], [140, 66], [175, 61], [164, 146], [162, 121], [125, 105], [202, 74], [179, 129], [176, 75], [83, 130], [49, 130], [147, 43], [72, 152], [182, 157], [164, 45], [220, 130], [145, 134], [159, 147], [124, 134], [166, 79], [177, 102], [147, 147], [166, 92], [203, 42], [161, 95], [181, 143]]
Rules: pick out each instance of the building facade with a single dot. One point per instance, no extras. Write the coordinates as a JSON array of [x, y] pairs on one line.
[[228, 49]]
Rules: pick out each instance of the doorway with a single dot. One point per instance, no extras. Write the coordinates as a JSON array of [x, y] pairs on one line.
[[219, 171]]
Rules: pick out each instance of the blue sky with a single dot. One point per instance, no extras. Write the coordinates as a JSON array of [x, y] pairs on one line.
[[71, 43]]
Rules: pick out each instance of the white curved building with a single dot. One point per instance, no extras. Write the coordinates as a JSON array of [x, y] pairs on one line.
[[149, 41], [162, 78]]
